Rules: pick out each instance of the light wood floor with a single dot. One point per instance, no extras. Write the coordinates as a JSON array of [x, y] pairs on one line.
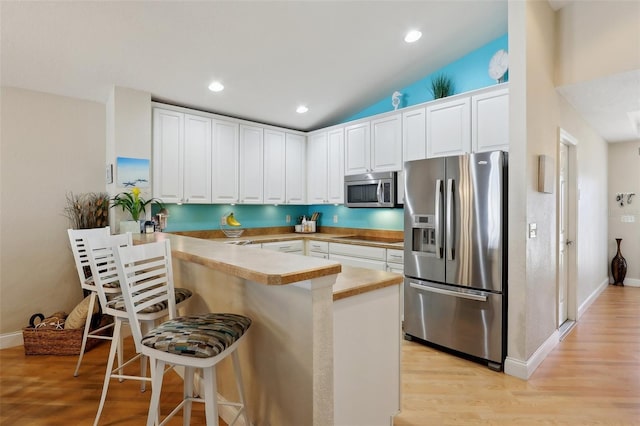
[[591, 378]]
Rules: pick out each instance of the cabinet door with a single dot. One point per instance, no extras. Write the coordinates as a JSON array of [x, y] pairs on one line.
[[274, 166], [197, 159], [490, 121], [335, 166], [295, 175], [251, 164], [356, 149], [225, 162], [414, 134], [317, 166], [386, 144], [449, 128], [168, 152]]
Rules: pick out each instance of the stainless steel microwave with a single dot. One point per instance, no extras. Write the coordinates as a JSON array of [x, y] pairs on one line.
[[370, 190]]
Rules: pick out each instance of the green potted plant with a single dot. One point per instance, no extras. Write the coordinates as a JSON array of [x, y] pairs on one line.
[[135, 205], [442, 86]]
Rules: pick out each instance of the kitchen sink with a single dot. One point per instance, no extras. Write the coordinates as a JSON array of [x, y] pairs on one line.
[[239, 242]]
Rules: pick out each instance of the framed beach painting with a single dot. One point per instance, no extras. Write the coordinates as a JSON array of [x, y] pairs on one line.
[[132, 172]]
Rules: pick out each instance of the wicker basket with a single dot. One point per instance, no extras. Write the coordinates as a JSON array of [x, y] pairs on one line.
[[47, 341]]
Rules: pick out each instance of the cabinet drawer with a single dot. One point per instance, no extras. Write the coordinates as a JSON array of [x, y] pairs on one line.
[[358, 262], [284, 246], [318, 246], [318, 254], [395, 256], [366, 252]]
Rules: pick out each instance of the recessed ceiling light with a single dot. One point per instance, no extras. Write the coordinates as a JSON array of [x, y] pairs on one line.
[[216, 86], [302, 109], [413, 35]]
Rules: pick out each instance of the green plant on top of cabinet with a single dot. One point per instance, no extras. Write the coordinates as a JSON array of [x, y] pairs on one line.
[[374, 146], [180, 139], [225, 162], [325, 167]]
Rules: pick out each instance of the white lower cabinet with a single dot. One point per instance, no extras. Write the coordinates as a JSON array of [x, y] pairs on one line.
[[395, 261], [360, 256], [293, 246]]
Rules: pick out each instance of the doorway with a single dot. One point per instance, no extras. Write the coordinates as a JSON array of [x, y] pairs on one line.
[[566, 231]]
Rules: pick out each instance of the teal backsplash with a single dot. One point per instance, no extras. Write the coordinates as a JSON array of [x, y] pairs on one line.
[[198, 217]]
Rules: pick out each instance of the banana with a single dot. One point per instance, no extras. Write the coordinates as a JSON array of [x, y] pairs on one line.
[[231, 221]]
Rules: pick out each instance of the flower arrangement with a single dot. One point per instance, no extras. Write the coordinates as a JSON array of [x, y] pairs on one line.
[[87, 210], [133, 203]]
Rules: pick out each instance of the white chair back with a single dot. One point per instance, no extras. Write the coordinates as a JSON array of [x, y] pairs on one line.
[[78, 247], [146, 279], [100, 251]]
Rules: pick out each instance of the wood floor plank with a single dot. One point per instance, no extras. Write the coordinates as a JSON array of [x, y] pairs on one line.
[[592, 377]]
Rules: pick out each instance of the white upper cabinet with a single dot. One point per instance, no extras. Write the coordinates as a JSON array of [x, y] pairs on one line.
[[295, 165], [181, 157], [357, 147], [274, 166], [317, 168], [490, 121], [386, 144], [374, 146], [168, 155], [414, 134], [449, 127], [251, 164], [335, 166], [225, 162], [197, 159], [325, 167]]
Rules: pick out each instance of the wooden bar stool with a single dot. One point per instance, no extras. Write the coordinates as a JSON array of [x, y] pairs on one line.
[[192, 341]]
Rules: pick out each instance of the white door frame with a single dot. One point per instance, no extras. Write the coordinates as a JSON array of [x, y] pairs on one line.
[[571, 142]]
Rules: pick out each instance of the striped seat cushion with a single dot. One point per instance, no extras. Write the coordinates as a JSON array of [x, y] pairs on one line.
[[114, 284], [199, 336], [182, 294]]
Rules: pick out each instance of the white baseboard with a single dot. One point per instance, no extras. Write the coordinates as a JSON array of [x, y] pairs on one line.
[[592, 298], [524, 369], [631, 282], [10, 340]]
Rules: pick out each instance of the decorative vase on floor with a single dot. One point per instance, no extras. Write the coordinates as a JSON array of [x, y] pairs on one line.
[[618, 266]]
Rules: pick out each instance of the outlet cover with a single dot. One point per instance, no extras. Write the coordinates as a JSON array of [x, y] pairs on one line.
[[533, 230], [335, 218], [288, 218]]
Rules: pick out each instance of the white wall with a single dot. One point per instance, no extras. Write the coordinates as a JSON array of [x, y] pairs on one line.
[[624, 176], [50, 145], [597, 38]]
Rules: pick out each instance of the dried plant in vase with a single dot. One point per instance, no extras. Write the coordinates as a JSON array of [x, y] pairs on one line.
[[442, 86], [87, 210]]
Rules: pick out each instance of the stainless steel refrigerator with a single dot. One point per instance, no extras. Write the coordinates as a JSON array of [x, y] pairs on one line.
[[455, 254]]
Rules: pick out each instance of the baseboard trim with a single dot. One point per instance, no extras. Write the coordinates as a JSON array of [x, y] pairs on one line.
[[631, 282], [524, 369], [592, 298], [11, 340]]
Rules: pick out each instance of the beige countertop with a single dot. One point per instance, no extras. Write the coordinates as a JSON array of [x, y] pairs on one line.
[[273, 268], [316, 236]]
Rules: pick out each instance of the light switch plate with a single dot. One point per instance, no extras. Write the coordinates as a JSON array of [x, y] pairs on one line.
[[533, 230]]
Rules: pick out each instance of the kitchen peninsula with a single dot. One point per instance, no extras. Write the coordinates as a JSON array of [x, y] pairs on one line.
[[324, 347]]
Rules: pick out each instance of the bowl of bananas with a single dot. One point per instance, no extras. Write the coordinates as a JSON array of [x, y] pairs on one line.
[[230, 226]]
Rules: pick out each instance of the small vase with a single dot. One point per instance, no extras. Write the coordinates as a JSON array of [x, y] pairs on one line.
[[618, 266], [132, 226]]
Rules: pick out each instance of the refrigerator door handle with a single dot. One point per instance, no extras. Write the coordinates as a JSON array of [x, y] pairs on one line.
[[470, 296], [438, 219], [379, 192], [450, 230]]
